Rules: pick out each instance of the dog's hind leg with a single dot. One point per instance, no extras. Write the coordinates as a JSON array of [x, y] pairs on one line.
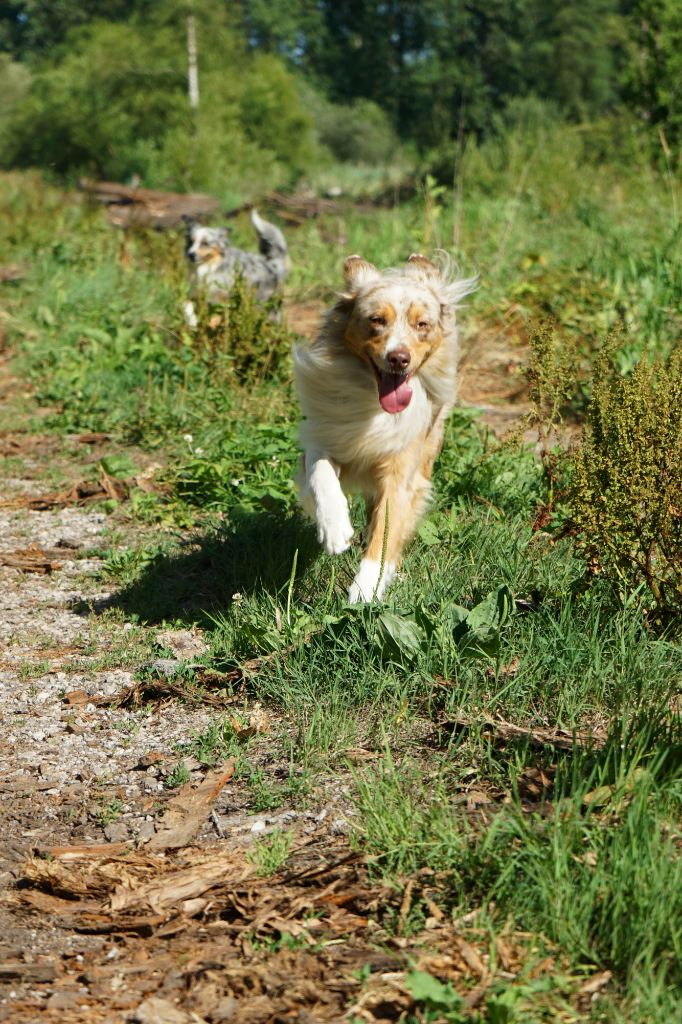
[[322, 496]]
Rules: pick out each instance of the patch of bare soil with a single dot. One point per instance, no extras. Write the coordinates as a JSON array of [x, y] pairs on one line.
[[492, 373]]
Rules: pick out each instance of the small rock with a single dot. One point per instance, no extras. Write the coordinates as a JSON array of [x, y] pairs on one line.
[[159, 1011], [116, 832], [258, 826], [75, 728], [184, 643], [65, 999], [225, 1010], [145, 831], [151, 785], [167, 667], [153, 757]]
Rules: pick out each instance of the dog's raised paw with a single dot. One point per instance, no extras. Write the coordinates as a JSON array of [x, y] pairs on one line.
[[335, 535]]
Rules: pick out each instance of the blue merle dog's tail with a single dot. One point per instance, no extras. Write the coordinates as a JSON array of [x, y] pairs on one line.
[[271, 241]]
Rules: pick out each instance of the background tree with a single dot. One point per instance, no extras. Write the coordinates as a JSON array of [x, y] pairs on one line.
[[653, 75]]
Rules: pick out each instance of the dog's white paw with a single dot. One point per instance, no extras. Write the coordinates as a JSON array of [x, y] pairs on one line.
[[335, 532], [370, 582], [190, 316]]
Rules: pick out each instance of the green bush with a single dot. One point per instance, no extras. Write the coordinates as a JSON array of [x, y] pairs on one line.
[[360, 132], [114, 103], [626, 491]]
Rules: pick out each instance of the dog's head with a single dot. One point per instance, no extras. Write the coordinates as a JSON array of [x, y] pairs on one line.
[[204, 245], [397, 320]]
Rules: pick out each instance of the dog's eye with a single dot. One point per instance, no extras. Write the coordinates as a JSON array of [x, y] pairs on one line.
[[377, 321], [423, 325]]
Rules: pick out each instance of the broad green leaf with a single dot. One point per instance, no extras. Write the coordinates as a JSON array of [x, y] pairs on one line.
[[428, 533], [120, 466], [424, 988], [396, 631], [491, 613]]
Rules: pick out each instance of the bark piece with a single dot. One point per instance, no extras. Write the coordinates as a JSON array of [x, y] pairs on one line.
[[188, 811]]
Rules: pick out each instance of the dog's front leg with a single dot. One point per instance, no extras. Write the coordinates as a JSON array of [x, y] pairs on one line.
[[323, 498], [191, 319]]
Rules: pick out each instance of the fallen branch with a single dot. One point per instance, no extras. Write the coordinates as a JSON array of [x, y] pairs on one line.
[[36, 559], [128, 204], [502, 732]]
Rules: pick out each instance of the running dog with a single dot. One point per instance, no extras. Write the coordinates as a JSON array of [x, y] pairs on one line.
[[217, 263], [375, 388]]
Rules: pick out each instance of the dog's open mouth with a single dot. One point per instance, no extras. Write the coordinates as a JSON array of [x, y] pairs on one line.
[[395, 393]]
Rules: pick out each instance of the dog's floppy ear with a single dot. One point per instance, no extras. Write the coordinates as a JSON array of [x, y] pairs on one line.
[[358, 272], [419, 266], [450, 290]]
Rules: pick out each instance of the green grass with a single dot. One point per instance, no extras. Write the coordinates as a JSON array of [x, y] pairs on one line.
[[591, 863], [271, 854]]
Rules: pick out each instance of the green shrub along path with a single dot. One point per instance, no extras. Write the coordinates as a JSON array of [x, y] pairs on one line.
[[463, 804]]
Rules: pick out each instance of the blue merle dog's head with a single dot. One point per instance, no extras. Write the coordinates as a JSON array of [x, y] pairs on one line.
[[206, 245]]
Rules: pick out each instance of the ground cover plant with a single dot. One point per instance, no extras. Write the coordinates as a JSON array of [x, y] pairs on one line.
[[501, 738]]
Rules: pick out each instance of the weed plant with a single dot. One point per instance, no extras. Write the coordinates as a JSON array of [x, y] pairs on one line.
[[627, 483]]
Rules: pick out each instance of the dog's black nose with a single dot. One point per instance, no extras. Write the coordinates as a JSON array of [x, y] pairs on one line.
[[399, 359]]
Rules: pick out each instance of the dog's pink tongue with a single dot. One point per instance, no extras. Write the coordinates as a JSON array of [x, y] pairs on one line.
[[395, 393]]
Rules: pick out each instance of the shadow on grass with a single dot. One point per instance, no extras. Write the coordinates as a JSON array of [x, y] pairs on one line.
[[253, 554]]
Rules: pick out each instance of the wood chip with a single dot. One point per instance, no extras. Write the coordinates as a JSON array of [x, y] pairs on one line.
[[17, 971], [500, 731], [77, 697], [160, 1011], [181, 885], [27, 785], [84, 492], [93, 852], [471, 957], [35, 559], [596, 983], [153, 757], [405, 906], [189, 810], [259, 723], [92, 438], [11, 272]]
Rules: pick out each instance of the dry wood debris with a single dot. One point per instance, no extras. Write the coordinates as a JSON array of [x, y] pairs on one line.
[[197, 935]]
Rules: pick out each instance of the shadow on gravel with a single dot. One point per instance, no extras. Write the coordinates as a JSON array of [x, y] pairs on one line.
[[253, 554]]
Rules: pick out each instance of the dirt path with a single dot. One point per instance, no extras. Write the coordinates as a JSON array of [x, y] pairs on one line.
[[123, 897]]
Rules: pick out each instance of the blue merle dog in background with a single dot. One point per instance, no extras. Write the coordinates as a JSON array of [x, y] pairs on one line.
[[217, 263]]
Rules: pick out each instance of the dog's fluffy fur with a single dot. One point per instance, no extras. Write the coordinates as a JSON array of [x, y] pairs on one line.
[[375, 388], [217, 263]]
